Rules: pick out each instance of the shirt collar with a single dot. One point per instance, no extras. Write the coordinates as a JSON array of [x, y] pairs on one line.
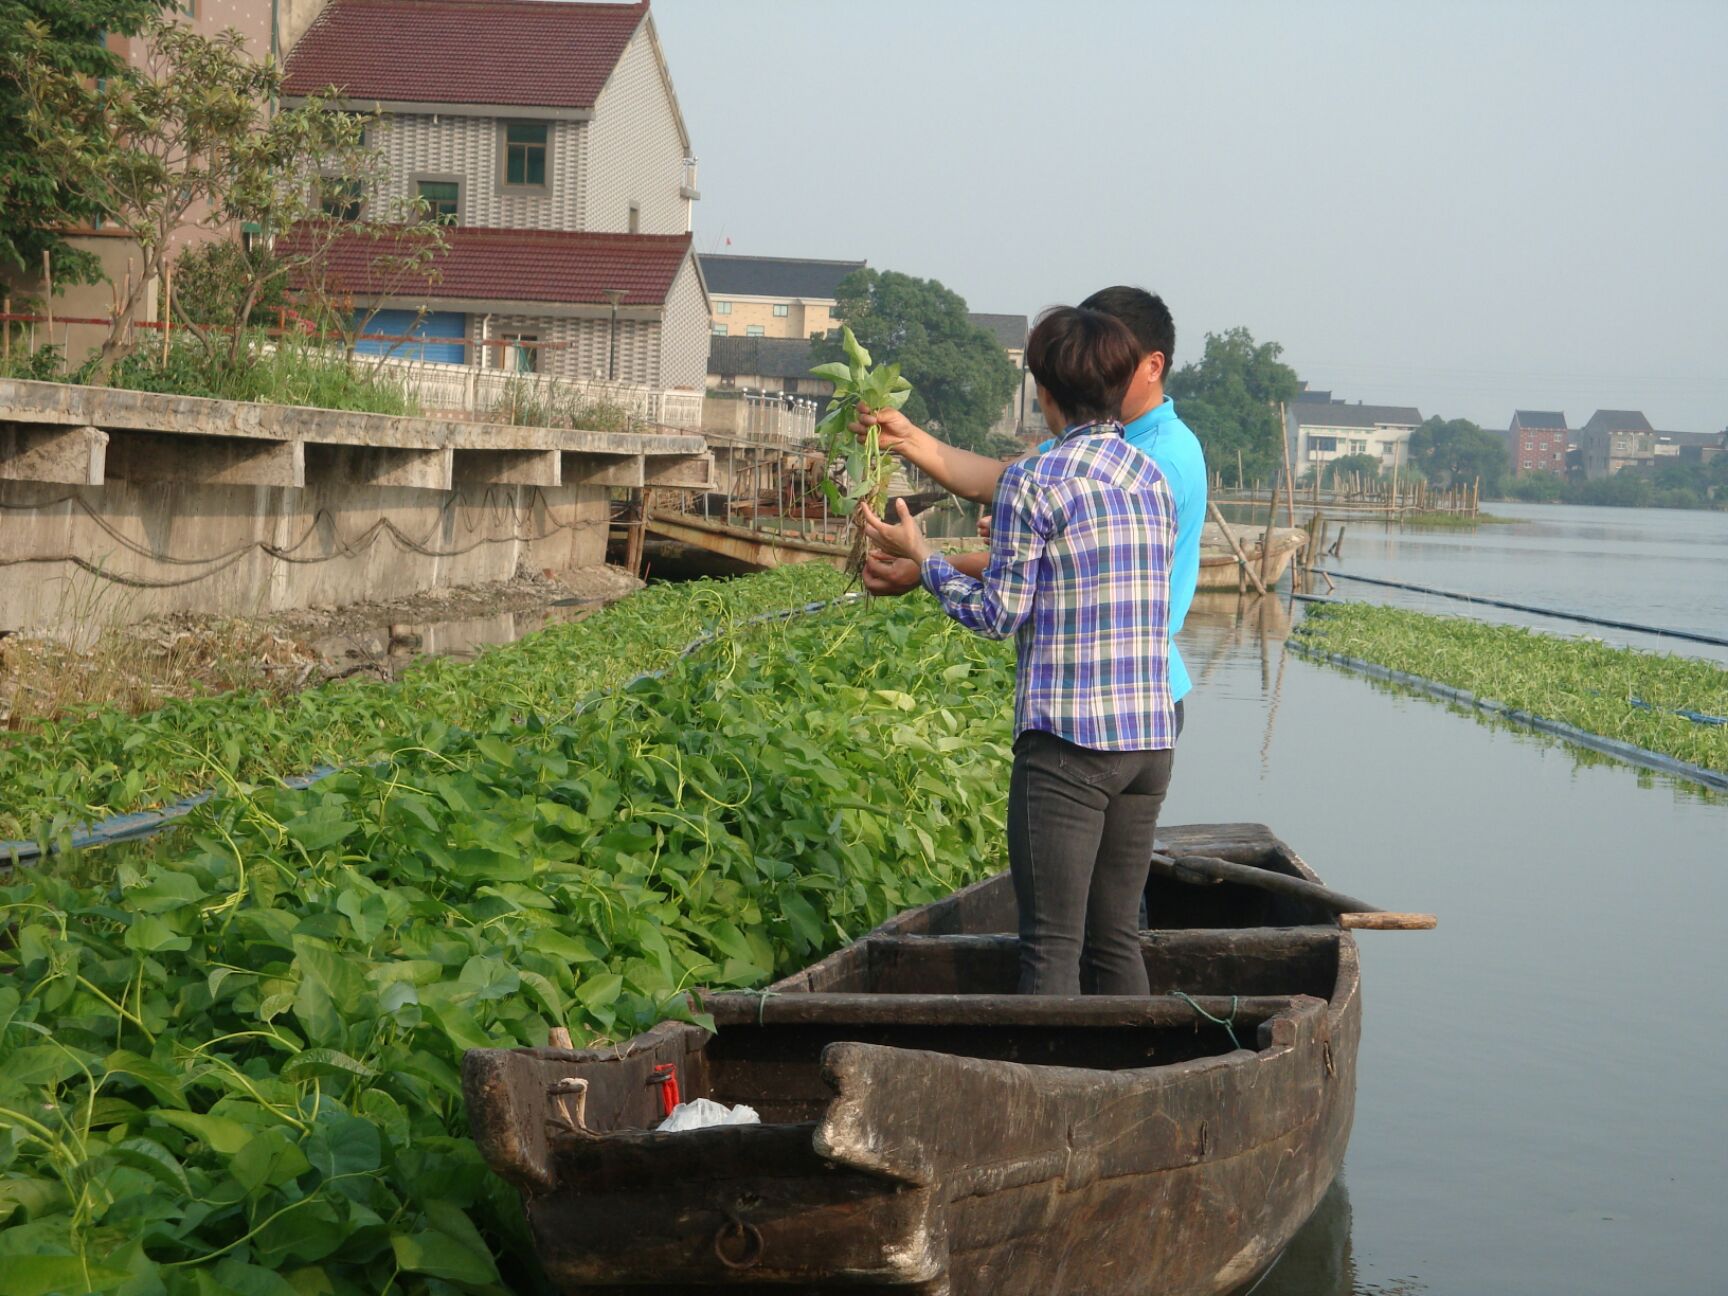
[[1159, 414], [1103, 426]]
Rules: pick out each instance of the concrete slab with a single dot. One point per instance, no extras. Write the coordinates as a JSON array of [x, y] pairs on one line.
[[508, 468], [208, 461], [604, 470], [75, 456], [689, 471], [414, 467]]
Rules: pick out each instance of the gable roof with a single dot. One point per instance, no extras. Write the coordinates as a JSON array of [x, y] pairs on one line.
[[1310, 397], [558, 267], [764, 356], [1540, 419], [1618, 421], [1340, 415], [749, 276], [1010, 330], [510, 53]]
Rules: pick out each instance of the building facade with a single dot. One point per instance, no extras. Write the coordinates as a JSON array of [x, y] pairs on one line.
[[547, 137], [773, 297], [1536, 441], [1021, 416], [1320, 432], [1613, 440]]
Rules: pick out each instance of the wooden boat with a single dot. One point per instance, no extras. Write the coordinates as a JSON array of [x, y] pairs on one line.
[[925, 1130], [1218, 565]]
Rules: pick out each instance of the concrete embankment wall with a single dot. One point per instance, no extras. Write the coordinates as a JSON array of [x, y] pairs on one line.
[[116, 506]]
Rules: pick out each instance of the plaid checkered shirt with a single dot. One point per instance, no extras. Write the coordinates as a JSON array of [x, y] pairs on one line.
[[1079, 574]]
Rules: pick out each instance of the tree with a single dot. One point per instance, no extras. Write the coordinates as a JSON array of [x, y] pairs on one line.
[[961, 377], [1455, 452], [189, 141], [1345, 467], [37, 198], [1537, 487], [1230, 398]]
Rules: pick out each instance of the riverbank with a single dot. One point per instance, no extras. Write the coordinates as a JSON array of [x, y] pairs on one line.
[[1649, 700]]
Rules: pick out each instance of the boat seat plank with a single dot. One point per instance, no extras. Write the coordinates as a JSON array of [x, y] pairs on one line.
[[994, 1010]]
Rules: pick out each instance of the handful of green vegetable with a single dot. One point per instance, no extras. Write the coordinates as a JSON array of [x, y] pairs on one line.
[[867, 468]]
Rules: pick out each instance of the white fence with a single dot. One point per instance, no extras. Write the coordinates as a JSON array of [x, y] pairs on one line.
[[762, 418], [492, 392]]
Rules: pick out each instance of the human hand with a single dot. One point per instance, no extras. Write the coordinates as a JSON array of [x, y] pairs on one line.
[[886, 576], [901, 539], [983, 526], [895, 432]]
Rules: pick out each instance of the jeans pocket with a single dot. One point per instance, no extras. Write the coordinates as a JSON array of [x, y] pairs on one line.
[[1082, 764]]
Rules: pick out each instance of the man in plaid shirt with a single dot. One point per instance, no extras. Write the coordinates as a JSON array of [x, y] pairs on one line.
[[1079, 573]]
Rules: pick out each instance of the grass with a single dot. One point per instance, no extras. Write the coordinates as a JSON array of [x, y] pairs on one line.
[[1580, 682], [1460, 521]]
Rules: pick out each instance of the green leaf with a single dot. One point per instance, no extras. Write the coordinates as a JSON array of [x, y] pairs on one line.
[[855, 352], [43, 1275], [271, 1158], [148, 934], [324, 1062], [341, 1144], [598, 992], [148, 1154], [439, 1255], [834, 371], [221, 1133]]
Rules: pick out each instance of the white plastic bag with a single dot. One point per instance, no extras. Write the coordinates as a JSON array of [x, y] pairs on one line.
[[700, 1113]]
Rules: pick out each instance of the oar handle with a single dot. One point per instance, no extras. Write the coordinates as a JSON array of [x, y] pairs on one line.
[[1388, 921]]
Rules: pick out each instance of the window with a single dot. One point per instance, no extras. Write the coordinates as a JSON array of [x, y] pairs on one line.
[[719, 330], [781, 310], [722, 308], [525, 154], [753, 330], [441, 198], [1320, 443], [635, 222], [524, 356], [341, 200]]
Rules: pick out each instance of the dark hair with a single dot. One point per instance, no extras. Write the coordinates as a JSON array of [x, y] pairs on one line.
[[1146, 316], [1084, 359]]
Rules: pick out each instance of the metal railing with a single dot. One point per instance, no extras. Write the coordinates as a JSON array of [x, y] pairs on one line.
[[763, 417], [483, 391]]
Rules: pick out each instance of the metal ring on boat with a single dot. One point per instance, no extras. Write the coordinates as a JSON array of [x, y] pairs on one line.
[[735, 1229]]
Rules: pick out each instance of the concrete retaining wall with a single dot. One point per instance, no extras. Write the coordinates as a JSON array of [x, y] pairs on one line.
[[116, 506]]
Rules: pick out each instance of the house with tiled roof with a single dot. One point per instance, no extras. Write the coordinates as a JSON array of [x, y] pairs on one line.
[[773, 297], [547, 136], [1321, 431], [1615, 439], [1536, 441]]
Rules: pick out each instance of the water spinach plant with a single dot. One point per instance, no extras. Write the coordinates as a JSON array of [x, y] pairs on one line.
[[864, 465], [229, 1061], [102, 761], [1656, 701]]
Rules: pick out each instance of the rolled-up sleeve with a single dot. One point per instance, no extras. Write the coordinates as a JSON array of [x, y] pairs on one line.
[[997, 605]]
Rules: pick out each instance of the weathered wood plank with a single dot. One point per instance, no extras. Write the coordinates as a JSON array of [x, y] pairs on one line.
[[1006, 1010]]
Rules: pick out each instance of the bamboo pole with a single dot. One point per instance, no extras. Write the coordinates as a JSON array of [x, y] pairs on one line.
[[1266, 540], [48, 293], [6, 334], [1290, 477], [167, 309], [1230, 538], [1240, 482]]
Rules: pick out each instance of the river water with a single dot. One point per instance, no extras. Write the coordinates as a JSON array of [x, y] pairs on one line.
[[1542, 1106]]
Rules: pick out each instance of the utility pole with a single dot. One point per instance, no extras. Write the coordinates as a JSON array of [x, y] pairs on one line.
[[615, 295]]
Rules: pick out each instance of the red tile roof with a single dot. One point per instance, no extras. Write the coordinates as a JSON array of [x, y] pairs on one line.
[[517, 53], [511, 265]]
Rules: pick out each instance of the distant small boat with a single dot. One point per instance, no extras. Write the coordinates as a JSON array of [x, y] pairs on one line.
[[1218, 564], [925, 1130]]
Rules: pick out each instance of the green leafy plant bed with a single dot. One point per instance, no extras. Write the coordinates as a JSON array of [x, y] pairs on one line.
[[229, 1063], [1634, 697], [102, 762]]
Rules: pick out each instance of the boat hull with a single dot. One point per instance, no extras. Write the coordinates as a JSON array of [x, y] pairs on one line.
[[916, 1135]]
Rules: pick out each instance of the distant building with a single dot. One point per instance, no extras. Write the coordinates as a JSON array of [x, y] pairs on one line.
[[773, 297], [1687, 447], [549, 138], [1021, 415], [1613, 440], [1536, 442], [1321, 432], [764, 364]]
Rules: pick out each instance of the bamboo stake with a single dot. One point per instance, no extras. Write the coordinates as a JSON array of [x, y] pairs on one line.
[[1240, 483], [1290, 496], [6, 334], [1230, 538], [167, 309], [1266, 539], [48, 293]]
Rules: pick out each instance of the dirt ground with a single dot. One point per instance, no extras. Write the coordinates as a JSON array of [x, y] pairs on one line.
[[138, 667]]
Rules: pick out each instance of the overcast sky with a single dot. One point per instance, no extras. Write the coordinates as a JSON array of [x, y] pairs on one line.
[[1466, 207]]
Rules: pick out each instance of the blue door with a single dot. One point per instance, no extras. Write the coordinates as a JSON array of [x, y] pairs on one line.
[[438, 324]]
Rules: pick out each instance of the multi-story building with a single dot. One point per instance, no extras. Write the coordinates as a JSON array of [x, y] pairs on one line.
[[1320, 432], [548, 138], [1021, 414], [773, 297], [764, 364], [1536, 441], [1615, 439]]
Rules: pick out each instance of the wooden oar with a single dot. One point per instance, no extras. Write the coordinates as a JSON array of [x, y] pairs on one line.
[[1352, 913]]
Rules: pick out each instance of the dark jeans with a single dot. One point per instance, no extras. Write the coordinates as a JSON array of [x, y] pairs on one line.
[[1080, 828]]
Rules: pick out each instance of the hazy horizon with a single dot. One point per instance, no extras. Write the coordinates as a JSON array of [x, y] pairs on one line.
[[1472, 210]]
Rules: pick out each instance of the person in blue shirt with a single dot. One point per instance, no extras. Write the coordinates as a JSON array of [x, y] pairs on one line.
[[1151, 424]]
